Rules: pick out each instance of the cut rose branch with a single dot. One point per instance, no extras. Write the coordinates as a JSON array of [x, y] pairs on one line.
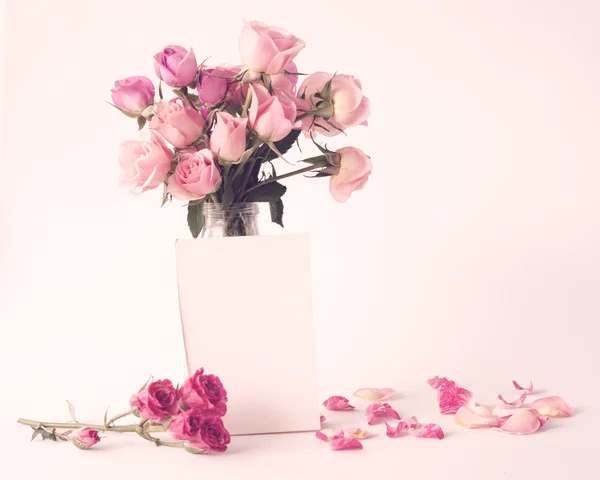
[[213, 136], [192, 414]]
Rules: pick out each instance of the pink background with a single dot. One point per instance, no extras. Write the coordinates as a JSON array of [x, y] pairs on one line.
[[473, 253]]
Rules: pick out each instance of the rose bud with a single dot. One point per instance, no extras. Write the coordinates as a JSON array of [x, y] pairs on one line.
[[157, 402], [228, 138], [86, 438], [272, 117], [204, 392], [353, 173], [213, 85], [133, 94], [206, 433], [145, 164], [268, 49], [195, 176], [178, 124], [176, 66]]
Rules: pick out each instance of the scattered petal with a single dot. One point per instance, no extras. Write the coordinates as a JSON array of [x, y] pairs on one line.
[[543, 420], [355, 432], [529, 389], [503, 411], [410, 422], [477, 417], [323, 419], [337, 402], [451, 397], [553, 407], [374, 394], [515, 403], [430, 430], [436, 381], [523, 422], [393, 432], [377, 410], [339, 441]]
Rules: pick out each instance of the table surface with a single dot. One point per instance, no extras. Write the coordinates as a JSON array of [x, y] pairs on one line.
[[565, 449]]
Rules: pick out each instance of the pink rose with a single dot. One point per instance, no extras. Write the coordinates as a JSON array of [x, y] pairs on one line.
[[284, 81], [160, 400], [354, 170], [268, 49], [179, 125], [86, 438], [196, 176], [213, 85], [228, 138], [133, 94], [204, 392], [204, 432], [145, 164], [175, 66], [344, 107], [272, 117]]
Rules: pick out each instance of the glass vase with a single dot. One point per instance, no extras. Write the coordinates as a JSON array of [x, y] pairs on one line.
[[235, 220]]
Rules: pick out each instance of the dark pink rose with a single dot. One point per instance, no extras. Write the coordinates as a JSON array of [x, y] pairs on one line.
[[133, 94], [160, 400], [86, 438], [213, 85], [204, 392], [175, 66], [202, 431]]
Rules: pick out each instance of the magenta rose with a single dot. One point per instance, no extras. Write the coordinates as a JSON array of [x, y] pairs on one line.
[[195, 176], [205, 432], [353, 173], [204, 392], [160, 400], [86, 438], [133, 94], [178, 124], [228, 138], [145, 164], [272, 117], [268, 49], [175, 66], [345, 106]]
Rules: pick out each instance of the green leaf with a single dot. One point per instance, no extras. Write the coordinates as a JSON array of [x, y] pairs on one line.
[[160, 94], [189, 448], [126, 112], [46, 435], [276, 208], [141, 122], [282, 145], [269, 192], [106, 418], [195, 218], [72, 411]]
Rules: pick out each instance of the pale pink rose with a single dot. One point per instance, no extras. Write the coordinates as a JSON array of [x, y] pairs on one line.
[[228, 138], [272, 117], [348, 106], [178, 124], [354, 170], [160, 400], [86, 438], [213, 85], [268, 49], [196, 176], [284, 81], [175, 66], [145, 164], [133, 94], [302, 106]]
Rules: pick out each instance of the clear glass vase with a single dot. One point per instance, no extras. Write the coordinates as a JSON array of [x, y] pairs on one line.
[[236, 220]]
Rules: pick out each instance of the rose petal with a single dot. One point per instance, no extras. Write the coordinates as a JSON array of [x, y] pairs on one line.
[[322, 436], [516, 403], [478, 417], [553, 406], [374, 393], [410, 422], [323, 419], [393, 432], [529, 389], [451, 397], [337, 402], [377, 410], [523, 422], [339, 441], [430, 430], [504, 411], [355, 432], [436, 381]]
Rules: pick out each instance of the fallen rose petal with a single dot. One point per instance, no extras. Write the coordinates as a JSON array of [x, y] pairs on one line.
[[337, 402], [430, 430], [515, 403], [410, 422], [553, 406], [523, 422], [451, 397], [377, 410], [393, 432], [374, 393], [339, 441], [503, 411], [355, 432], [322, 436], [543, 420], [323, 419], [478, 417], [436, 381], [529, 389]]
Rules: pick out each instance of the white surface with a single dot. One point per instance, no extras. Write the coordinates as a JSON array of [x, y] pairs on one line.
[[262, 346], [473, 252]]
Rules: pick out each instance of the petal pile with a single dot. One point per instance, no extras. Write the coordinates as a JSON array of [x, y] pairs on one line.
[[476, 417], [374, 394], [337, 402], [414, 428], [377, 410]]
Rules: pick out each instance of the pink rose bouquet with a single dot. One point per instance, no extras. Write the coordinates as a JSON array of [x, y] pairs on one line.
[[217, 132]]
